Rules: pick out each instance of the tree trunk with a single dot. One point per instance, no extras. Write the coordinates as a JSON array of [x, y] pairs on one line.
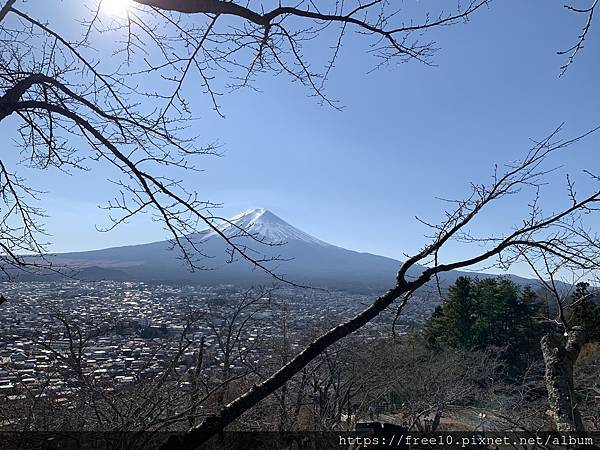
[[213, 424], [560, 354]]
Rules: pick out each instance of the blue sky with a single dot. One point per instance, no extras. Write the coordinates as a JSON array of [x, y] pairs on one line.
[[407, 134]]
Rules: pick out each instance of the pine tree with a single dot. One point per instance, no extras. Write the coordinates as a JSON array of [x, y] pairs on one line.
[[435, 328], [452, 324], [493, 299], [489, 313], [584, 312]]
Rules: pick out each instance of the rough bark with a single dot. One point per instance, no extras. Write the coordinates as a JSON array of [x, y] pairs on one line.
[[560, 354], [6, 8]]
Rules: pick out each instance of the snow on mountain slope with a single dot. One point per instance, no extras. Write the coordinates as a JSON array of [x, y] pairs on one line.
[[301, 258], [264, 226]]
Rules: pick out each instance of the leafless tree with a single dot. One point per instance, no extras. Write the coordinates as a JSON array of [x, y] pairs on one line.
[[520, 405], [134, 117], [237, 340], [573, 51], [41, 76], [396, 380], [437, 382], [172, 386], [562, 235], [562, 345], [587, 382]]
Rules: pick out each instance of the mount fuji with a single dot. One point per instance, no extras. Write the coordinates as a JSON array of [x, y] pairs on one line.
[[297, 256]]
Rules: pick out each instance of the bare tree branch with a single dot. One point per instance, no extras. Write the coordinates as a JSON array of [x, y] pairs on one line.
[[537, 235]]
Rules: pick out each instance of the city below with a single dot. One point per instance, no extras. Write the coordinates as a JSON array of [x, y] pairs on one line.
[[132, 330]]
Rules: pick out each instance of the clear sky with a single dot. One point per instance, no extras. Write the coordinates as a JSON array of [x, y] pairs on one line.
[[407, 134]]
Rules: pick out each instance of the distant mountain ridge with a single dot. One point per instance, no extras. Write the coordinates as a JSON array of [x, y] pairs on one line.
[[302, 258]]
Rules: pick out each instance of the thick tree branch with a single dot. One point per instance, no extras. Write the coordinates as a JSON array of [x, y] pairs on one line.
[[527, 238]]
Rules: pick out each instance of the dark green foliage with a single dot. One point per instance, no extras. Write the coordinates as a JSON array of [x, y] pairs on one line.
[[584, 312], [452, 324], [478, 314]]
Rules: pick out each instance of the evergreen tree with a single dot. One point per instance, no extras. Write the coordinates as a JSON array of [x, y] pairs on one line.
[[489, 313], [584, 312], [435, 328], [452, 324], [533, 309]]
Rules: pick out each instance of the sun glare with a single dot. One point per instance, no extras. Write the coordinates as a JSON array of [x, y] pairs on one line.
[[115, 8]]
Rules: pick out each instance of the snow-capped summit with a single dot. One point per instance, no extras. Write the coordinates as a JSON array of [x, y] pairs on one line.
[[263, 225], [302, 258]]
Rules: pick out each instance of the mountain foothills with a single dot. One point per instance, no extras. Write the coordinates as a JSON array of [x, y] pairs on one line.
[[296, 255]]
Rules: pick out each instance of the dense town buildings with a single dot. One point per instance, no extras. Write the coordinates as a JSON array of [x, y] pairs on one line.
[[120, 331]]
